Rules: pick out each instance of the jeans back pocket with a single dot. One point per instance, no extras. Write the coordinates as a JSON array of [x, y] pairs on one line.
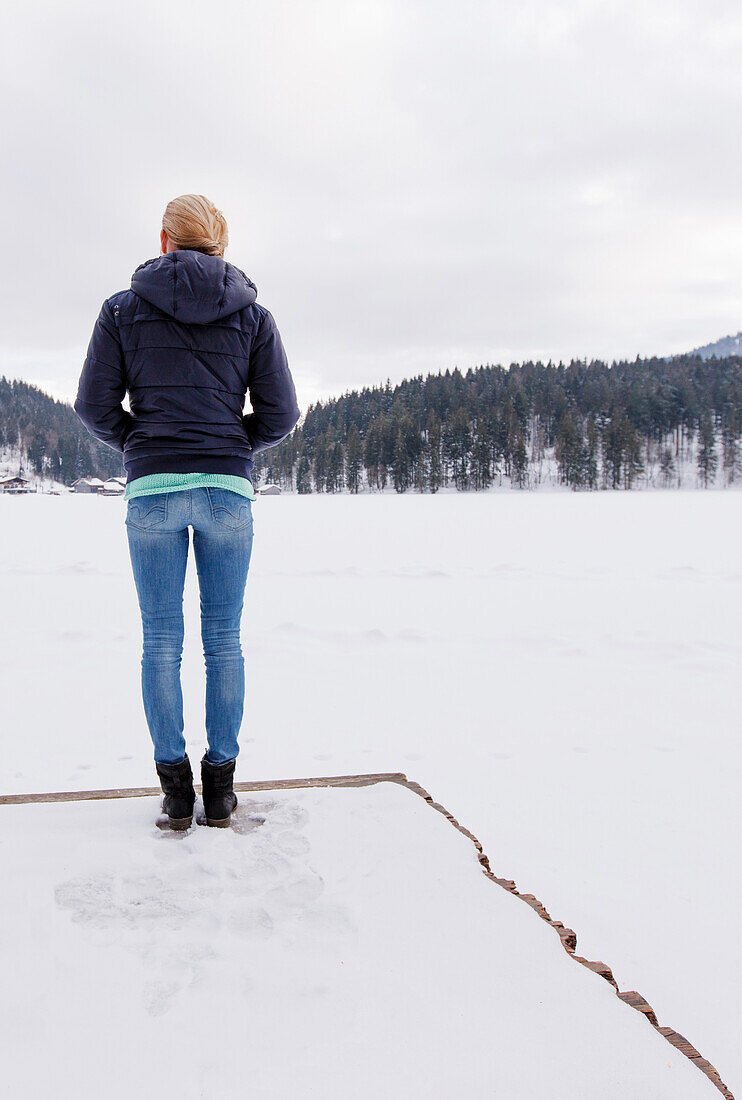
[[146, 512], [229, 509]]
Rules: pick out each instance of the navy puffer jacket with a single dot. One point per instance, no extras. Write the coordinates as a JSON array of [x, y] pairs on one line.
[[188, 342]]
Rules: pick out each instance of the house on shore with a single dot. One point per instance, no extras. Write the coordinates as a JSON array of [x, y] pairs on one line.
[[269, 490], [16, 485], [87, 485], [113, 487]]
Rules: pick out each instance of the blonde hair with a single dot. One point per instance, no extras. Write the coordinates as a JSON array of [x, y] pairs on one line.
[[192, 221]]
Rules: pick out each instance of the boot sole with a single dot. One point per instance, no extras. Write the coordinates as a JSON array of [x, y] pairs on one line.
[[177, 823], [213, 822]]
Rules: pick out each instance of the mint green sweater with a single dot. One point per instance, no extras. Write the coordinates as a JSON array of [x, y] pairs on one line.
[[173, 483]]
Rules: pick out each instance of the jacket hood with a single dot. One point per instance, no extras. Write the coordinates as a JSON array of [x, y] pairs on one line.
[[193, 287]]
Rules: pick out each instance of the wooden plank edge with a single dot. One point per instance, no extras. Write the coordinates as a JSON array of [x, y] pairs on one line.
[[245, 786]]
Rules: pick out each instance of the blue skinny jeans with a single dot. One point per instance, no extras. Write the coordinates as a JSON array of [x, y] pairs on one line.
[[157, 529]]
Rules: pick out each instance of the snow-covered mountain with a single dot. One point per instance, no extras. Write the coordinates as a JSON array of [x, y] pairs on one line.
[[728, 345]]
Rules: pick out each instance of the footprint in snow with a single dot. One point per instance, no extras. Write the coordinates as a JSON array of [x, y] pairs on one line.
[[180, 909]]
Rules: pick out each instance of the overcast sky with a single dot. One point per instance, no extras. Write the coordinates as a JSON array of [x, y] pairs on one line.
[[411, 185]]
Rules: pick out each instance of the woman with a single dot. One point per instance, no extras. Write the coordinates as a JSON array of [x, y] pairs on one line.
[[189, 341]]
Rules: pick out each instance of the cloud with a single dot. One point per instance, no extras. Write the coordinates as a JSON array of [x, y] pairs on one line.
[[411, 186]]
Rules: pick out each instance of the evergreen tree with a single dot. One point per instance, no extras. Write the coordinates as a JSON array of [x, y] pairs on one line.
[[421, 474], [481, 456], [613, 446], [667, 465], [633, 463], [389, 429], [518, 458], [402, 460], [304, 475], [372, 456], [707, 460], [434, 465], [36, 450], [730, 443], [320, 464], [570, 453], [592, 452], [354, 453], [459, 447], [336, 467]]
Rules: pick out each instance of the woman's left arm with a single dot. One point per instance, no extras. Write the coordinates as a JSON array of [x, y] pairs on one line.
[[103, 384]]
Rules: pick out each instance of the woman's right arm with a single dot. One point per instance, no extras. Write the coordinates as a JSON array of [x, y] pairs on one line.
[[102, 384]]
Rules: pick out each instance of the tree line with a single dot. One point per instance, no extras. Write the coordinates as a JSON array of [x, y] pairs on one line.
[[583, 425], [43, 436]]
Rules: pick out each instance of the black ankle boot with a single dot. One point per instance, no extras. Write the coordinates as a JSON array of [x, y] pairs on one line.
[[176, 781], [218, 792]]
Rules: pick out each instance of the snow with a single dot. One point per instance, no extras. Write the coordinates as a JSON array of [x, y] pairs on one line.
[[559, 670]]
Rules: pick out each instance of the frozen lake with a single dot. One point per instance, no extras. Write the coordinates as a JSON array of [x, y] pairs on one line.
[[559, 670]]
